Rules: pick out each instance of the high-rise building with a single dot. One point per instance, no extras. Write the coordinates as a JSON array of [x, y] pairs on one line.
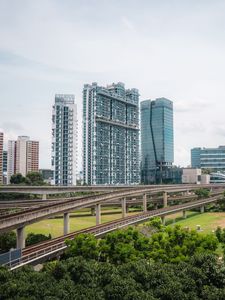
[[32, 156], [11, 160], [4, 167], [64, 140], [208, 158], [110, 134], [1, 157], [157, 149], [23, 156]]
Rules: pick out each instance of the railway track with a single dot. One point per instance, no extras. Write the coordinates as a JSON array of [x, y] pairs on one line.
[[56, 246]]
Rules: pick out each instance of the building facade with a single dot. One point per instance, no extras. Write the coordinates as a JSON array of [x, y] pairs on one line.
[[11, 160], [64, 140], [4, 166], [22, 156], [110, 134], [157, 141], [195, 157], [209, 158], [1, 157]]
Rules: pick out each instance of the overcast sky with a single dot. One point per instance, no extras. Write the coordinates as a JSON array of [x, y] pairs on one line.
[[172, 49]]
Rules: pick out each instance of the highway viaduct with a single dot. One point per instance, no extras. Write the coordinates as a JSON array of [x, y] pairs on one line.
[[19, 220]]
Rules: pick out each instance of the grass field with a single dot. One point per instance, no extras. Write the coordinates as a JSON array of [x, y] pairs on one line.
[[208, 221], [78, 220]]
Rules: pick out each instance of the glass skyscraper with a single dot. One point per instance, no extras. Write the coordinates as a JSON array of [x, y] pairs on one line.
[[157, 150], [64, 140], [110, 134], [195, 157]]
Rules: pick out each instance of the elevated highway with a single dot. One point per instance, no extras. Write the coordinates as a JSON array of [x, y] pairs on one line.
[[52, 248]]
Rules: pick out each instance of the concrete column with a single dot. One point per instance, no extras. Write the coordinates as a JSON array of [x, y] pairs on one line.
[[184, 214], [44, 197], [202, 209], [98, 213], [165, 199], [144, 203], [66, 219], [20, 238], [123, 202], [163, 220]]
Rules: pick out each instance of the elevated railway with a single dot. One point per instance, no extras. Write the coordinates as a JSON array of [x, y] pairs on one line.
[[55, 247]]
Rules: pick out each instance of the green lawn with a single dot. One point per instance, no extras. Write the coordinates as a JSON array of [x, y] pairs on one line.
[[208, 221], [79, 220]]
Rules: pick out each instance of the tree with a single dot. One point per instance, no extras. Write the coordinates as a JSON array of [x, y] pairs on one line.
[[34, 178], [33, 238], [17, 179], [7, 241], [202, 193]]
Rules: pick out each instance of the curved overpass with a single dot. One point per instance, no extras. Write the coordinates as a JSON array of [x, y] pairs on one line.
[[55, 247], [29, 216]]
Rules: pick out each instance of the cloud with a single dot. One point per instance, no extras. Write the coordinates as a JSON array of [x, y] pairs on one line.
[[127, 23]]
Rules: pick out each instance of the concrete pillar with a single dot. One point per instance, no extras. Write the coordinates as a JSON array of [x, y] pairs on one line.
[[66, 219], [184, 214], [163, 220], [44, 197], [20, 238], [123, 202], [202, 209], [165, 199], [144, 203], [98, 213]]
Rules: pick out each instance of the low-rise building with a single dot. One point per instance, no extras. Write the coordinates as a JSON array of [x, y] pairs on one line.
[[191, 176]]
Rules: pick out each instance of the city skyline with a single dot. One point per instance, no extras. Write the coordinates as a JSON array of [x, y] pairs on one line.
[[143, 47]]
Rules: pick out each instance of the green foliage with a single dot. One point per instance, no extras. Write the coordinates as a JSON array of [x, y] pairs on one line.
[[202, 193], [32, 178], [170, 244], [33, 238], [155, 223], [83, 244], [7, 241], [203, 277], [17, 179]]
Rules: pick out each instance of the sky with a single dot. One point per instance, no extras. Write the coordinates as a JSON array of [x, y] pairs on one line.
[[173, 49]]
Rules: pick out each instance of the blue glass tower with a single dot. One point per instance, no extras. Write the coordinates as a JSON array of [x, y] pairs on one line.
[[156, 139]]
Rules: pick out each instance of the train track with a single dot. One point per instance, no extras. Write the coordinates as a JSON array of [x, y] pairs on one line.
[[56, 246], [33, 215]]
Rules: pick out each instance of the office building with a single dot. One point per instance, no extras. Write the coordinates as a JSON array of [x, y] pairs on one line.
[[110, 134], [195, 157], [212, 159], [157, 143], [1, 157], [64, 140], [22, 157]]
